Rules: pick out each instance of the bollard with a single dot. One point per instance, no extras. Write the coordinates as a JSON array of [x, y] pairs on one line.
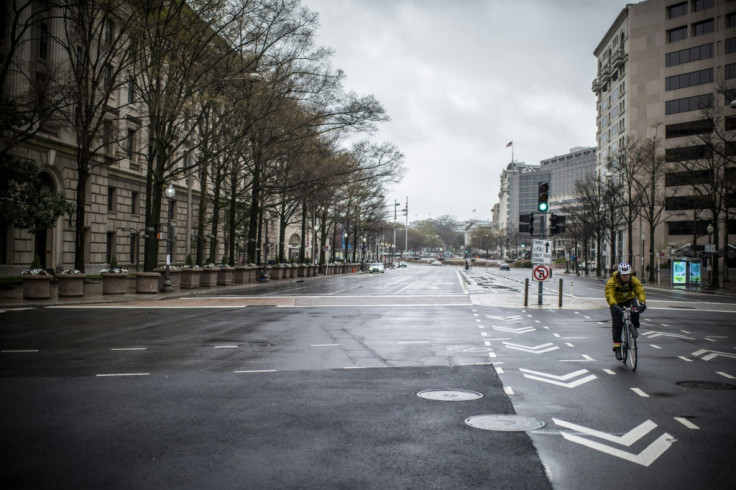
[[526, 292], [560, 293]]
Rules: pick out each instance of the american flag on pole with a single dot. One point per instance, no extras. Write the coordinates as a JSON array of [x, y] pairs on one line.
[[510, 143]]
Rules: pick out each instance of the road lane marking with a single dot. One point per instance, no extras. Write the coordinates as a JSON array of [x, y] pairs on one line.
[[121, 374], [508, 390], [685, 358], [19, 351], [129, 348], [324, 345], [414, 342], [226, 347], [640, 392], [609, 371], [725, 375], [686, 423], [256, 371]]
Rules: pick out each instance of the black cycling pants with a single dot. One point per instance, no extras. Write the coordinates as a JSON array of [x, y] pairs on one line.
[[616, 318]]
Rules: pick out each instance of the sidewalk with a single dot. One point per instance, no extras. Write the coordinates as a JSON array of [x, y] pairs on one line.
[[11, 295]]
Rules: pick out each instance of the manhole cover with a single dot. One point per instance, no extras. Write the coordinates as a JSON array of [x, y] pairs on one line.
[[706, 385], [505, 423], [449, 395]]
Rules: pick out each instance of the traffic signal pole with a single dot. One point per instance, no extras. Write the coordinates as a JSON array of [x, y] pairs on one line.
[[541, 284]]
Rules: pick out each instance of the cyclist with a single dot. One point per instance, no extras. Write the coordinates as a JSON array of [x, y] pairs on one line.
[[623, 290]]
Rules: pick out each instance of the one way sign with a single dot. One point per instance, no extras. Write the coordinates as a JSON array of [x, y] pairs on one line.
[[542, 252]]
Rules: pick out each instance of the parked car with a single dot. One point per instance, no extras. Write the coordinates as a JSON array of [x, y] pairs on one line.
[[377, 267], [505, 267], [436, 262], [402, 264]]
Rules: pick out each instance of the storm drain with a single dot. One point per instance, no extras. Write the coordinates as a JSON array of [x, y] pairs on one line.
[[504, 423], [706, 385], [449, 395]]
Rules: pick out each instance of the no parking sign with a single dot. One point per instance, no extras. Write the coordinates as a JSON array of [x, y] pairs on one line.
[[541, 273]]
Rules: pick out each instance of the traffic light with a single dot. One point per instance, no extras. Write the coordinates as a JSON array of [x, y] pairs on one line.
[[543, 197], [523, 223], [556, 224], [531, 223]]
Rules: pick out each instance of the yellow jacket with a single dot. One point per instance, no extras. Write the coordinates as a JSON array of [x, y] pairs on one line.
[[618, 292]]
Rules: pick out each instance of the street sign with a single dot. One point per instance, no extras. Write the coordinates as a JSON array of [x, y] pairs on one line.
[[541, 273], [542, 252], [710, 248]]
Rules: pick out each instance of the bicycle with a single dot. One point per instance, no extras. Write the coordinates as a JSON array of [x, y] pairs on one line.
[[629, 352]]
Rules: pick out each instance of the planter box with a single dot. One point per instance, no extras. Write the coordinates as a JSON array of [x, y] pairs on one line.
[[208, 277], [240, 276], [114, 282], [301, 270], [71, 284], [146, 282], [226, 276], [174, 277], [189, 278], [37, 286]]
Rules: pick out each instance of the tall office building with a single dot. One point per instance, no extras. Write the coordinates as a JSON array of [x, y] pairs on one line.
[[661, 64]]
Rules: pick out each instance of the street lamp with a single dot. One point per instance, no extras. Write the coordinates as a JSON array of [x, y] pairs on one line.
[[170, 193]]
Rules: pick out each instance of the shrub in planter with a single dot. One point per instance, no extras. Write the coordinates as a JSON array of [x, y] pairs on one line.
[[36, 281], [71, 283], [114, 279]]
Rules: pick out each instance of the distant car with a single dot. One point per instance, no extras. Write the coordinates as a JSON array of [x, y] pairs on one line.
[[436, 262], [377, 267], [402, 264], [505, 267]]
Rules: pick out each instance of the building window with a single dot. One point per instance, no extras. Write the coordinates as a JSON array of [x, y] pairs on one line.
[[130, 144], [110, 247], [109, 31], [698, 102], [705, 27], [677, 10], [682, 203], [133, 202], [699, 5], [731, 45], [690, 128], [691, 54], [133, 249], [677, 34], [730, 71], [683, 154], [111, 199], [172, 210], [43, 41], [691, 79], [731, 19]]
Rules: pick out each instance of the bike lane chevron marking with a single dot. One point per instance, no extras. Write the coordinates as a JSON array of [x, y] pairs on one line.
[[559, 380], [514, 330], [538, 349], [504, 318], [653, 334], [645, 458], [713, 354]]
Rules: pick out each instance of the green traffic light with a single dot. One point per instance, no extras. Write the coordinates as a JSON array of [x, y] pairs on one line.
[[543, 207]]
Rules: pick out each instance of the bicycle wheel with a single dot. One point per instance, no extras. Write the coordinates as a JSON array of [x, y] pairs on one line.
[[624, 343], [631, 343]]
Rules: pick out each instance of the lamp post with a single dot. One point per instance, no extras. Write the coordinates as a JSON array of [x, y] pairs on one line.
[[170, 193], [710, 231]]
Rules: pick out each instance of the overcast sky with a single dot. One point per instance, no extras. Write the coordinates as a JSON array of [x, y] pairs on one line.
[[460, 79]]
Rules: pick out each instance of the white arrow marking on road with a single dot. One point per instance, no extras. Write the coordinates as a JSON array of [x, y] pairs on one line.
[[644, 458], [559, 380], [586, 358], [654, 334], [713, 354], [539, 349], [504, 318], [515, 330]]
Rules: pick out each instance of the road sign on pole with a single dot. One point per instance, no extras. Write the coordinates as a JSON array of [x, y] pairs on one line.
[[542, 252], [541, 273]]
